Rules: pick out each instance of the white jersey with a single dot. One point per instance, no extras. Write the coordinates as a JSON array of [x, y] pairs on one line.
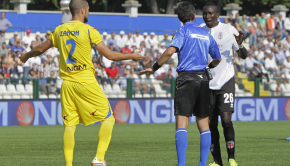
[[224, 37]]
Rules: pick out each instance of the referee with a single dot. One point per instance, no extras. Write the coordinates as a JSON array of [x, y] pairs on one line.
[[192, 44]]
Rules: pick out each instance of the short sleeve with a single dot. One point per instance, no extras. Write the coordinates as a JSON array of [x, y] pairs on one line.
[[233, 30], [52, 37], [209, 58], [178, 39], [214, 49], [95, 36]]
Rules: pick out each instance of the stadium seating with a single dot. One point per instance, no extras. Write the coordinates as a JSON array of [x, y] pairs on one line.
[[43, 96], [146, 96], [108, 89], [52, 96], [239, 95], [158, 90], [239, 92], [25, 97], [29, 89], [11, 89], [7, 97], [20, 88], [161, 95], [16, 97], [138, 95], [247, 94], [122, 96], [113, 96], [3, 90], [116, 89], [273, 87]]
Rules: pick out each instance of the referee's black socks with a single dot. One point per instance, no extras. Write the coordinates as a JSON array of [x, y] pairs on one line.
[[229, 134]]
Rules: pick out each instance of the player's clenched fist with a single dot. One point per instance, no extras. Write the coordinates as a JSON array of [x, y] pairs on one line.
[[137, 56]]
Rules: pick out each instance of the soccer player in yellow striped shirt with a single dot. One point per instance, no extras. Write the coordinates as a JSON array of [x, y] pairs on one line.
[[82, 99]]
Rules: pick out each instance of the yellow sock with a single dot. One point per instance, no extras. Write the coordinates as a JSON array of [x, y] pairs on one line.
[[68, 144], [104, 136]]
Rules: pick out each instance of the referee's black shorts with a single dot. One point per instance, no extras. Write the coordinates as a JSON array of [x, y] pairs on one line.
[[192, 94]]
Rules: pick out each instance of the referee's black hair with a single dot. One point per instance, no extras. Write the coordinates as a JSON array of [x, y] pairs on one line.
[[214, 5], [75, 6], [185, 11]]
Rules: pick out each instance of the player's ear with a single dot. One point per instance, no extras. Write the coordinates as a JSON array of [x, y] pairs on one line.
[[83, 11]]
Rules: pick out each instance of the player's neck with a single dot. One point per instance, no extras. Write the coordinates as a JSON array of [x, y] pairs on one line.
[[216, 24], [76, 18], [188, 21]]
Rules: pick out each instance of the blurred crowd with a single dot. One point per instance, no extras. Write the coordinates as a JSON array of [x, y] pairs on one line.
[[45, 67], [268, 55], [269, 42]]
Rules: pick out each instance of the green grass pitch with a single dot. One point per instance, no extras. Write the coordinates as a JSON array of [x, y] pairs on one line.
[[257, 144]]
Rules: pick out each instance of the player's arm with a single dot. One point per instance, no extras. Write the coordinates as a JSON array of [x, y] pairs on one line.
[[117, 56], [166, 55], [176, 44], [36, 51], [164, 58], [242, 51]]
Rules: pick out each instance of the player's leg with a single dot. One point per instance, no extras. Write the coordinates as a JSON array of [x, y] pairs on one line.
[[68, 144], [229, 134], [226, 105], [215, 140], [104, 137], [181, 140], [70, 118], [205, 139], [94, 106]]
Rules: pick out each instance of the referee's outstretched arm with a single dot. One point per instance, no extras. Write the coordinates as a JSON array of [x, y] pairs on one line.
[[163, 59]]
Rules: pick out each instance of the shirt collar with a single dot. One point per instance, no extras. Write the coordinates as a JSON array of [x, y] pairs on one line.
[[216, 27], [189, 23]]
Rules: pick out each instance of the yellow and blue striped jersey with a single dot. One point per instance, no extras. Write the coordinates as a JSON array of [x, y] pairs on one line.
[[75, 40]]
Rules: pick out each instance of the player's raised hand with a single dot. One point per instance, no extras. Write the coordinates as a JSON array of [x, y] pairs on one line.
[[240, 38], [137, 56], [146, 71], [23, 58]]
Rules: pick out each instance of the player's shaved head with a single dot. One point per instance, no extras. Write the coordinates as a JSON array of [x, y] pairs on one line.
[[75, 6]]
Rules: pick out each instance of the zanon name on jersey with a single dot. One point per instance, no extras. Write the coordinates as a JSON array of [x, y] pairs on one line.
[[224, 37]]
